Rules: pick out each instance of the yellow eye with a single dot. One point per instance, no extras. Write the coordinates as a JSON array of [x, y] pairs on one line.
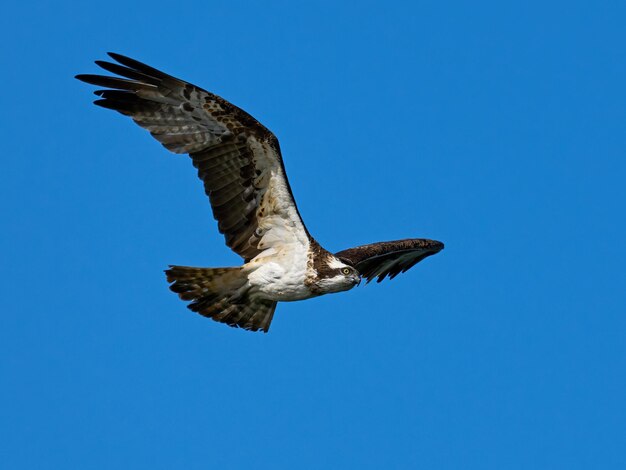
[[346, 271]]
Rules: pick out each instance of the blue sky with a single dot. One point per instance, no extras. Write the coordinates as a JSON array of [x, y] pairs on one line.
[[495, 127]]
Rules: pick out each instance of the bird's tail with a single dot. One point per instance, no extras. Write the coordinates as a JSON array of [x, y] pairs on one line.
[[221, 294]]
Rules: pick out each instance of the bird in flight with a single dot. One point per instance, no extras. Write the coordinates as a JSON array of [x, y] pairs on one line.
[[239, 161]]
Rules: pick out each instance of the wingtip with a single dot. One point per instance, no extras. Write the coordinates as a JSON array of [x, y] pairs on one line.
[[435, 245], [122, 59]]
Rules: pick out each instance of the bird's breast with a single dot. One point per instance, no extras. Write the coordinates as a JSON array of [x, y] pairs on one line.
[[280, 277]]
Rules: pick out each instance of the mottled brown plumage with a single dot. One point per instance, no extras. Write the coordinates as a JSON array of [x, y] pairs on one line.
[[389, 258], [240, 164], [233, 152], [221, 294]]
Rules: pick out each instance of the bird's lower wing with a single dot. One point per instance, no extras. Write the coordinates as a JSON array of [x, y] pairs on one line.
[[384, 259]]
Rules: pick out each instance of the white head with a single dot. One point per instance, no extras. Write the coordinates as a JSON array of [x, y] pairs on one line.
[[336, 276]]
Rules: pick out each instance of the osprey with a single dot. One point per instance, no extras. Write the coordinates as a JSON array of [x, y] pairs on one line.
[[240, 163]]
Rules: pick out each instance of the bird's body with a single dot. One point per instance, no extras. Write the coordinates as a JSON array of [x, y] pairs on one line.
[[288, 277], [240, 163]]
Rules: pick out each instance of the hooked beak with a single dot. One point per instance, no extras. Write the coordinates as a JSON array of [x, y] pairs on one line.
[[356, 279]]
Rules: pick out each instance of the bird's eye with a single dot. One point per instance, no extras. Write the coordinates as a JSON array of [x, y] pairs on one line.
[[346, 271]]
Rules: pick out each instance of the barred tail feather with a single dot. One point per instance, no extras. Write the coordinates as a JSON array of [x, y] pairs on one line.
[[221, 294]]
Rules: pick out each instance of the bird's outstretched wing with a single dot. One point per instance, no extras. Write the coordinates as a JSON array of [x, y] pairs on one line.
[[237, 158], [388, 258]]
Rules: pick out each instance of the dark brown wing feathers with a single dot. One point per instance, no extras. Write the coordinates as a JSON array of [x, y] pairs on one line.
[[389, 258], [236, 158], [217, 135]]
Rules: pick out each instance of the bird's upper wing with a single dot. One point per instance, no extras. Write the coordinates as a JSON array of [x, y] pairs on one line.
[[237, 158], [388, 258]]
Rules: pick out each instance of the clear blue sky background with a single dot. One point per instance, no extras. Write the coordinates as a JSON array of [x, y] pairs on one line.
[[496, 127]]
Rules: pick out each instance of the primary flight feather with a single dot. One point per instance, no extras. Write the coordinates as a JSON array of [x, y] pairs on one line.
[[239, 161]]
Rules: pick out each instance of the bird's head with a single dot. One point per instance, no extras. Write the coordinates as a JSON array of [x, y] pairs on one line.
[[336, 276]]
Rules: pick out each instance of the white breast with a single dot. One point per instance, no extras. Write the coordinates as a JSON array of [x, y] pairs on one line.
[[279, 273]]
